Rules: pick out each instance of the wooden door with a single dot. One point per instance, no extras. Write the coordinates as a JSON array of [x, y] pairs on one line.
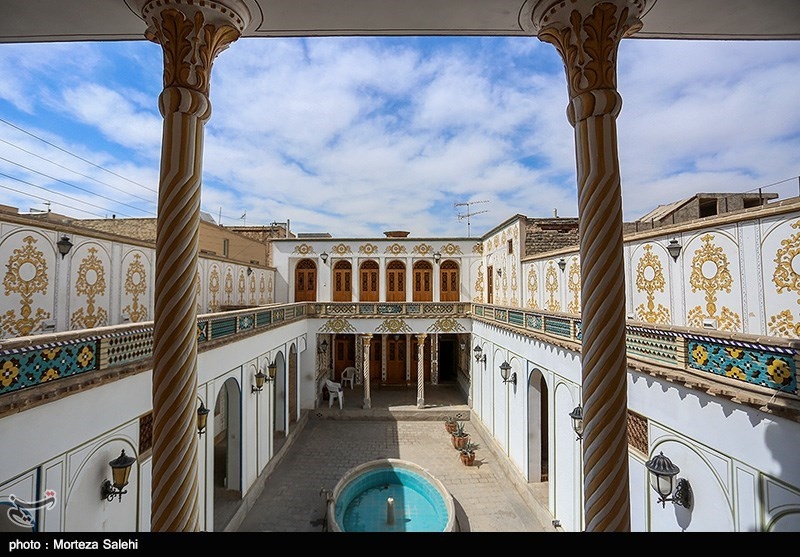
[[375, 360], [449, 282], [342, 282], [305, 281], [396, 282], [344, 354], [423, 282], [369, 282], [396, 359]]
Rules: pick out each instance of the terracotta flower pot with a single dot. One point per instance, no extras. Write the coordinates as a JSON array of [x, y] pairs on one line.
[[459, 442], [467, 458], [450, 427]]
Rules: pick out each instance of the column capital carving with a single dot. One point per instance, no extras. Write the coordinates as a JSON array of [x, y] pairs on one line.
[[586, 34], [192, 33]]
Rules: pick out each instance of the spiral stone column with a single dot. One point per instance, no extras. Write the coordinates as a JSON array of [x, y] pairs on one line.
[[421, 370], [586, 34], [191, 35], [367, 340]]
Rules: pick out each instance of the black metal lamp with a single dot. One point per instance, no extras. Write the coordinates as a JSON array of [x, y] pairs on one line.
[[505, 367], [323, 347], [202, 419], [437, 257], [64, 245], [577, 421], [261, 377], [249, 271], [271, 369], [562, 263], [324, 257], [479, 355], [674, 249], [663, 475], [120, 473]]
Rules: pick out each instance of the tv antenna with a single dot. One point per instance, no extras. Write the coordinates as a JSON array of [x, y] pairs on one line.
[[470, 212]]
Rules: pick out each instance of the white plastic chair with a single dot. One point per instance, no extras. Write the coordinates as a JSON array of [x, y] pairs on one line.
[[349, 375], [334, 391]]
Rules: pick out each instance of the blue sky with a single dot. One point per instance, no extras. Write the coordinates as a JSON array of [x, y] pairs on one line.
[[356, 136]]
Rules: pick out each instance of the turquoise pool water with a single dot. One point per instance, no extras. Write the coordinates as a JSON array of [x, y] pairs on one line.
[[391, 496]]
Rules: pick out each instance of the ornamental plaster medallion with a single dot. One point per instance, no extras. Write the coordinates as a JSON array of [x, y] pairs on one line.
[[394, 325], [446, 325], [533, 287], [338, 325], [91, 283], [574, 287], [341, 249], [422, 249], [368, 249], [228, 285], [303, 249], [241, 287], [650, 279], [26, 276], [551, 286], [136, 286], [213, 287], [395, 249], [262, 286], [711, 275], [450, 249], [787, 279]]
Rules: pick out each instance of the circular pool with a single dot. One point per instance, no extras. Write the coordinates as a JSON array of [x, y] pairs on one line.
[[390, 495]]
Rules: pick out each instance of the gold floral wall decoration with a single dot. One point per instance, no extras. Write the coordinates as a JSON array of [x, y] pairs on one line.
[[136, 286], [710, 274], [303, 249], [479, 284], [450, 249], [650, 279], [395, 249], [91, 283], [251, 288], [477, 248], [574, 287], [198, 287], [26, 275], [533, 287], [241, 286], [368, 249], [269, 290], [394, 325], [340, 249], [787, 279], [551, 286], [446, 325], [514, 302], [262, 286], [422, 249], [338, 325], [228, 285], [213, 287]]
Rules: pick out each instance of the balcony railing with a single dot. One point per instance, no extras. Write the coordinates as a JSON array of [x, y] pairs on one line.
[[762, 361]]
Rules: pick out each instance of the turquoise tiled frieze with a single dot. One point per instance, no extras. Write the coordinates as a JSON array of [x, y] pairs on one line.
[[768, 366], [39, 364]]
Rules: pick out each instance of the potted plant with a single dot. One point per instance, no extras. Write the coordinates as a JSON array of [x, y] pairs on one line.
[[467, 453], [459, 437], [450, 424]]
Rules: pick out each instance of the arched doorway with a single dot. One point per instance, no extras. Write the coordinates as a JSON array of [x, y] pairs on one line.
[[537, 427], [305, 281], [449, 281], [227, 450], [368, 281], [342, 281], [396, 282], [423, 282]]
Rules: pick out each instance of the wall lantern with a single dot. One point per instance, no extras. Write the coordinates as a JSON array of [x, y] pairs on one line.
[[271, 369], [202, 419], [437, 257], [120, 473], [249, 271], [505, 367], [479, 355], [323, 347], [324, 257], [64, 245], [261, 377], [577, 421], [562, 264], [663, 479], [500, 272], [674, 249]]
